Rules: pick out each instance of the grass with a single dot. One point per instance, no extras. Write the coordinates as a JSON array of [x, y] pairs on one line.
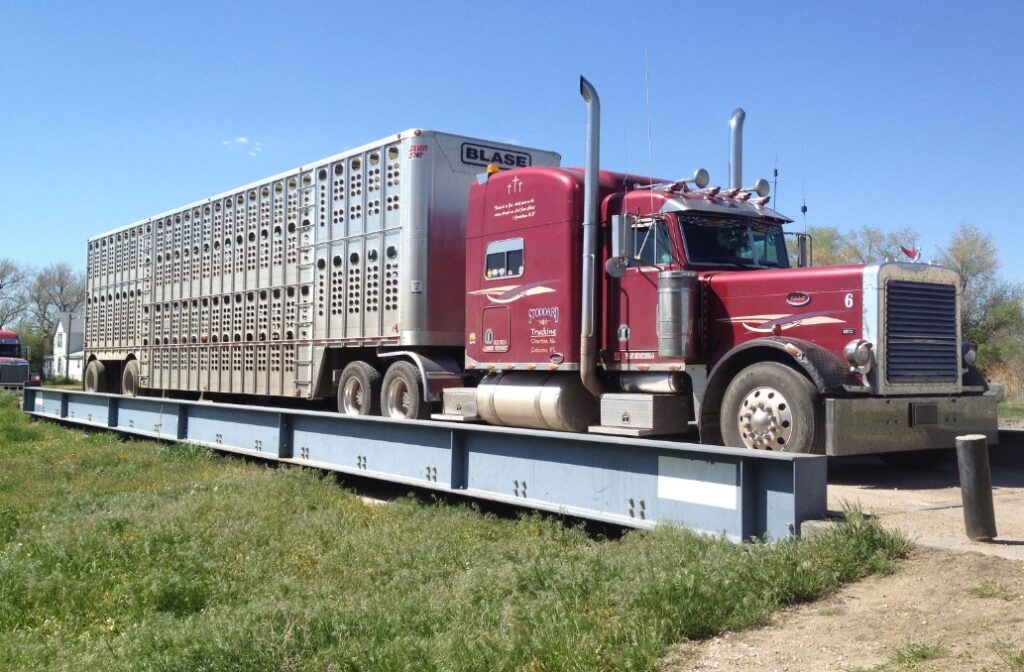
[[140, 556], [1012, 657], [1010, 410], [912, 655], [989, 589]]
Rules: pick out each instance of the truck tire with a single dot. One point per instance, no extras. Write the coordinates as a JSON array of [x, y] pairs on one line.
[[769, 406], [95, 378], [402, 393], [359, 390], [130, 379]]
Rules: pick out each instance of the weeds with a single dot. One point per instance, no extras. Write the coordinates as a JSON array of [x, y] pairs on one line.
[[132, 555], [992, 590], [913, 653], [1011, 656]]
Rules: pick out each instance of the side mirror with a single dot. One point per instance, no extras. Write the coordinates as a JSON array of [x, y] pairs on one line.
[[805, 246], [622, 246]]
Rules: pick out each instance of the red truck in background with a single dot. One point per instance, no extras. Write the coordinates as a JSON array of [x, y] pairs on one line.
[[14, 372], [432, 272]]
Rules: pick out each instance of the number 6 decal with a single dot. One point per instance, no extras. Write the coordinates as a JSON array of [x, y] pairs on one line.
[[848, 301]]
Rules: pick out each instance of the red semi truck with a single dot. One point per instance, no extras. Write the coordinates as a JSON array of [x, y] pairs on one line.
[[519, 293], [14, 372]]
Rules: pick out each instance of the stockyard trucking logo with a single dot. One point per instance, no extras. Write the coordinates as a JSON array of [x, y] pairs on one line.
[[476, 154], [418, 151]]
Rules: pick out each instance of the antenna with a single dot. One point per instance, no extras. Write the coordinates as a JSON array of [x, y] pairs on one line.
[[650, 150], [775, 174]]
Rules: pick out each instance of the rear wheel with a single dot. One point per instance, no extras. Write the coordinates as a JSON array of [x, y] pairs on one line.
[[130, 379], [95, 377], [402, 393], [359, 390], [769, 406]]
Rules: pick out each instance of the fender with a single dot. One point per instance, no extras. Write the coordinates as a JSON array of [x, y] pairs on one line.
[[437, 370], [822, 367]]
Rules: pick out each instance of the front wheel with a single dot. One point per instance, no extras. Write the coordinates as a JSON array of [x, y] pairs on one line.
[[769, 406], [402, 393]]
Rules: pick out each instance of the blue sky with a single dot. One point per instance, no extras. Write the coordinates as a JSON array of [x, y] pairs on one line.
[[883, 113]]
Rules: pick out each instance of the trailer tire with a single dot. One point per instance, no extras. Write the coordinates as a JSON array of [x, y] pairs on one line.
[[402, 393], [770, 406], [359, 390], [130, 379], [95, 378]]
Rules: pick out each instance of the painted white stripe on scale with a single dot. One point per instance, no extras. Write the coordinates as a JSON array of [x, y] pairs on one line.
[[672, 485]]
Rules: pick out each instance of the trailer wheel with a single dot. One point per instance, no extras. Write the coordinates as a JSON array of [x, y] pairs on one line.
[[130, 379], [95, 377], [402, 393], [359, 390], [769, 406]]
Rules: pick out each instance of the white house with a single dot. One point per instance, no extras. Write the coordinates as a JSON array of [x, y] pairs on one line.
[[67, 347]]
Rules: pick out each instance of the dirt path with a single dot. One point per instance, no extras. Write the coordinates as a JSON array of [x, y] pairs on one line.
[[971, 606], [965, 608]]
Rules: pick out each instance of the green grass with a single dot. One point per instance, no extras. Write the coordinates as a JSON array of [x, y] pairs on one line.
[[992, 590], [1013, 657], [1010, 409], [912, 653], [139, 556]]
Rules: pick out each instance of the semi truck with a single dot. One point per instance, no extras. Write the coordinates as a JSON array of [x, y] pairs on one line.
[[431, 275], [14, 373]]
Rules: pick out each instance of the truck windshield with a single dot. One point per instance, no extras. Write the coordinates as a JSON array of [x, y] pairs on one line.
[[734, 242], [10, 351]]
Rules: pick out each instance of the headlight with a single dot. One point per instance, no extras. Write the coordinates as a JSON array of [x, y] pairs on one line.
[[969, 352], [858, 354]]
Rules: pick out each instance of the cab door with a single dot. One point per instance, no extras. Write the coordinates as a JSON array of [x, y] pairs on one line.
[[633, 298]]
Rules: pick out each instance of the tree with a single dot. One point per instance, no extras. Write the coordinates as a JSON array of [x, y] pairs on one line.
[[56, 289], [972, 254], [13, 277], [866, 245]]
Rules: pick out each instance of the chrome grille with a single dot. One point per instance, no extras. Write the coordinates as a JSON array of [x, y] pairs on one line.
[[921, 332]]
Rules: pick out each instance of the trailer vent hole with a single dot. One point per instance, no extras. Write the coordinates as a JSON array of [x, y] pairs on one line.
[[291, 227], [356, 164], [392, 153], [321, 264], [391, 252], [278, 188]]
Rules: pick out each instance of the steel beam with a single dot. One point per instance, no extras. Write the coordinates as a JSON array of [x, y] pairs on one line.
[[631, 482]]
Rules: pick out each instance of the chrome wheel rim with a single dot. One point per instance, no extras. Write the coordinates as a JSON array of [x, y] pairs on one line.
[[398, 399], [353, 397], [765, 419]]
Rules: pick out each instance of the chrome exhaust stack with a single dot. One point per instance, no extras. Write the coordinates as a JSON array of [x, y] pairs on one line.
[[736, 155], [591, 222]]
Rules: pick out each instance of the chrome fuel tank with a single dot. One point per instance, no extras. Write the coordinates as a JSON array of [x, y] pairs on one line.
[[556, 401]]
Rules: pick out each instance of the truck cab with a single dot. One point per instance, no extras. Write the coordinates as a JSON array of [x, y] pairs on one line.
[[13, 369], [637, 306]]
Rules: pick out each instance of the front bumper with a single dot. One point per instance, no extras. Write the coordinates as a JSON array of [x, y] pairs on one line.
[[858, 426]]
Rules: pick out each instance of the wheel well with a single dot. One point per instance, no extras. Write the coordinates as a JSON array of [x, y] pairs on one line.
[[722, 375]]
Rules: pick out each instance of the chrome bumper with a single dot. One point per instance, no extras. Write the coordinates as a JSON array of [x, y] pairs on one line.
[[890, 424]]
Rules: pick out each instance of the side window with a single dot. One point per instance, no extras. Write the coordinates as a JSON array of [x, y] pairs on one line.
[[504, 259], [651, 242]]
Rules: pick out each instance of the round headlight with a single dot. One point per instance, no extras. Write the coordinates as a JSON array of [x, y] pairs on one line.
[[858, 354], [970, 353]]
